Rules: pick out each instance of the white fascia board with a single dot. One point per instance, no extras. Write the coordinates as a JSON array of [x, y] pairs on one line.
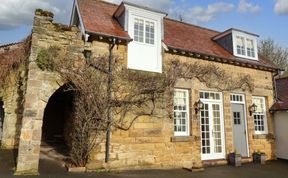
[[76, 11], [145, 14]]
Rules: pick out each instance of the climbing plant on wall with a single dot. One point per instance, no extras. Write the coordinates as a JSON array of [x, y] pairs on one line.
[[134, 94]]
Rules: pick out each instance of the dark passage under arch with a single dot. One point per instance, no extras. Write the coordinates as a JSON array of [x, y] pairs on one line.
[[55, 129]]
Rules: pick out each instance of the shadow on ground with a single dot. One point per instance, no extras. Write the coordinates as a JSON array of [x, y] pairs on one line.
[[51, 169]]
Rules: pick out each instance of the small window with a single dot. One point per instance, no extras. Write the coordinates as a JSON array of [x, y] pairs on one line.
[[181, 112], [210, 95], [141, 33], [150, 32], [237, 98], [250, 48], [260, 119], [237, 118], [241, 45], [138, 30]]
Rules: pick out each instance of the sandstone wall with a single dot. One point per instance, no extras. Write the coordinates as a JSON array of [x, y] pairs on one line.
[[150, 142], [41, 85], [12, 99]]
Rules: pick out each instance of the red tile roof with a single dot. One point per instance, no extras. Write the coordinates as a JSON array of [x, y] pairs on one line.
[[98, 18], [282, 95]]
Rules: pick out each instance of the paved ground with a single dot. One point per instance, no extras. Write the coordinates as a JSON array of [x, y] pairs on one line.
[[48, 169]]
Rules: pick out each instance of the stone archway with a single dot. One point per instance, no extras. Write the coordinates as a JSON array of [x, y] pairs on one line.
[[56, 127], [40, 87]]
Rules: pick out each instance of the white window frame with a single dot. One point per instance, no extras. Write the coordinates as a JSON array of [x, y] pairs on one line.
[[187, 132], [235, 98], [145, 22], [138, 20], [246, 37], [214, 101], [264, 115]]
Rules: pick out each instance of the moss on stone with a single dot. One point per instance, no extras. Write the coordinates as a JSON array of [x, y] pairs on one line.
[[44, 13], [42, 60]]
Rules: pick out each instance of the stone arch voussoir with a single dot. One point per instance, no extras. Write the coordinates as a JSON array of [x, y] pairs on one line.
[[39, 89]]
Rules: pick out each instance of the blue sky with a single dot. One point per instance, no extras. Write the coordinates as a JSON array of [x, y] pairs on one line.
[[267, 18]]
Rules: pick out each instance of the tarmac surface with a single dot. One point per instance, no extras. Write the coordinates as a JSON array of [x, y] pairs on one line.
[[51, 169]]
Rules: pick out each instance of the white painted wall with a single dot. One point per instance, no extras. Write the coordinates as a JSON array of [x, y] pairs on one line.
[[143, 56], [281, 132]]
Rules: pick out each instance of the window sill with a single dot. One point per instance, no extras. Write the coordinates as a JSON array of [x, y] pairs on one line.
[[182, 139], [263, 136]]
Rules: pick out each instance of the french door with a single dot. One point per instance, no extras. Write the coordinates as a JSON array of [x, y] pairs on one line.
[[212, 131]]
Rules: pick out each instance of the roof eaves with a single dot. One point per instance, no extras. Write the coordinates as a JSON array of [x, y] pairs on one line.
[[227, 32], [243, 31], [220, 59], [10, 44], [128, 39]]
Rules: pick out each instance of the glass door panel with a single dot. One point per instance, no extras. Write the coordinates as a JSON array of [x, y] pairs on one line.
[[212, 131]]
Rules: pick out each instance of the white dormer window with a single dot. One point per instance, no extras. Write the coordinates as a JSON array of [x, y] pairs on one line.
[[145, 26], [141, 33], [245, 45]]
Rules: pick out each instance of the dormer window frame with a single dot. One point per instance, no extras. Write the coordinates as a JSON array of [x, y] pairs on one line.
[[248, 53], [148, 34], [145, 55]]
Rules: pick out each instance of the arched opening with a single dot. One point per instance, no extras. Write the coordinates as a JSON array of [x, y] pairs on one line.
[[1, 118], [55, 129]]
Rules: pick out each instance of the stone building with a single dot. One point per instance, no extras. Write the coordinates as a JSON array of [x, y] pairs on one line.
[[208, 123], [280, 117]]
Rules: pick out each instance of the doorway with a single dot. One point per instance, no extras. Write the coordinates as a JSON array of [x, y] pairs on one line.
[[212, 126], [238, 116], [55, 129]]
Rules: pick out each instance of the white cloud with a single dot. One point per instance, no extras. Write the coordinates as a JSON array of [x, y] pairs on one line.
[[200, 14], [155, 4], [281, 7], [15, 13], [245, 6], [195, 14]]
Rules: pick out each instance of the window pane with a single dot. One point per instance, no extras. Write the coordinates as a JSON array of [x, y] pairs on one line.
[[240, 45], [250, 48], [259, 115], [150, 35], [210, 95], [181, 112], [138, 30]]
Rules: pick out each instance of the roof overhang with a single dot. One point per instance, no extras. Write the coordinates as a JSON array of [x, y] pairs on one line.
[[121, 8], [109, 37], [229, 31], [208, 57]]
